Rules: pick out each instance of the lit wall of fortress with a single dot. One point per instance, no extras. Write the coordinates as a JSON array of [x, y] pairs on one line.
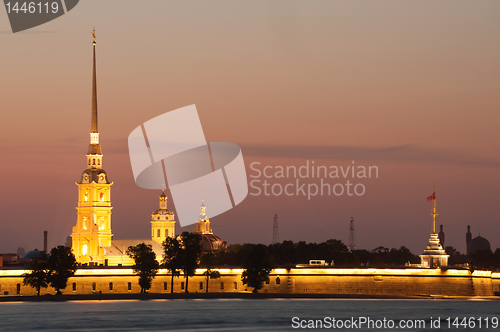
[[377, 282]]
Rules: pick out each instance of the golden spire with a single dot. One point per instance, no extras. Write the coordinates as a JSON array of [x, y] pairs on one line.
[[94, 126], [434, 214]]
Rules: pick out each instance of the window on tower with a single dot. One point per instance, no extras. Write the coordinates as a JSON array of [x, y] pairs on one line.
[[166, 233], [158, 234], [102, 197], [84, 250], [93, 161], [98, 161]]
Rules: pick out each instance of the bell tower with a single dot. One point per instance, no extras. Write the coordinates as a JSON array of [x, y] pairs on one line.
[[203, 223], [162, 222], [92, 232]]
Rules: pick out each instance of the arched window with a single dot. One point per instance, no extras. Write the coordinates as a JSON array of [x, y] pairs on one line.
[[201, 285], [165, 286], [93, 161], [222, 285], [235, 285], [267, 281], [182, 285], [89, 161], [93, 286], [74, 286], [278, 280], [110, 286], [166, 233], [102, 197], [129, 286], [98, 161], [18, 289], [158, 234]]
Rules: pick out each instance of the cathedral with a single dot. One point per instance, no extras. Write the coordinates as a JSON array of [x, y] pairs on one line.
[[91, 238]]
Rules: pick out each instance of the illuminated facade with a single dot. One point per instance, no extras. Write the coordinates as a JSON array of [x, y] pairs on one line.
[[92, 231], [403, 283], [162, 222]]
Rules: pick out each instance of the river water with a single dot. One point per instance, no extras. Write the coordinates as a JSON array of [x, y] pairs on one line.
[[248, 315]]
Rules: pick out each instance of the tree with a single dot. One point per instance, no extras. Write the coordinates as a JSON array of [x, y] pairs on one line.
[[39, 276], [190, 254], [257, 265], [172, 258], [62, 265], [208, 261], [146, 266]]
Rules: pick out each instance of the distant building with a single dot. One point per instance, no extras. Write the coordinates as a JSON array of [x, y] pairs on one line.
[[209, 241], [20, 251], [69, 242], [477, 244], [468, 238], [441, 236]]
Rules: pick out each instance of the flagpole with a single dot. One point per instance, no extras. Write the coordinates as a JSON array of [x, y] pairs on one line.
[[434, 214]]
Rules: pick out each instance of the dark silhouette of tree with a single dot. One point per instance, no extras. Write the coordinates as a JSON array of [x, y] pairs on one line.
[[146, 266], [172, 258], [257, 265], [208, 261], [190, 254], [484, 260], [401, 256], [287, 254], [62, 265], [38, 277]]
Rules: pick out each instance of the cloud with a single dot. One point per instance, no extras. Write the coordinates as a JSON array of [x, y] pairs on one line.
[[397, 153]]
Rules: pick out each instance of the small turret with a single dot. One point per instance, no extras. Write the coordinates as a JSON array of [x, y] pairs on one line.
[[468, 237], [441, 235]]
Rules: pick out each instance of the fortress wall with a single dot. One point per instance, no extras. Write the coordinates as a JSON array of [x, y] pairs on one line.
[[495, 282], [387, 282]]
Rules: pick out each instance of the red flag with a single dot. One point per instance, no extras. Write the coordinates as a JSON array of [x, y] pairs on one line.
[[431, 197]]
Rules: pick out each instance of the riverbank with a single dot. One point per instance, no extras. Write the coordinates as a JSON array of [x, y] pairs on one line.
[[201, 296]]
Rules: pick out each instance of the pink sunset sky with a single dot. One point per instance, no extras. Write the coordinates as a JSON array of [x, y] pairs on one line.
[[411, 87]]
